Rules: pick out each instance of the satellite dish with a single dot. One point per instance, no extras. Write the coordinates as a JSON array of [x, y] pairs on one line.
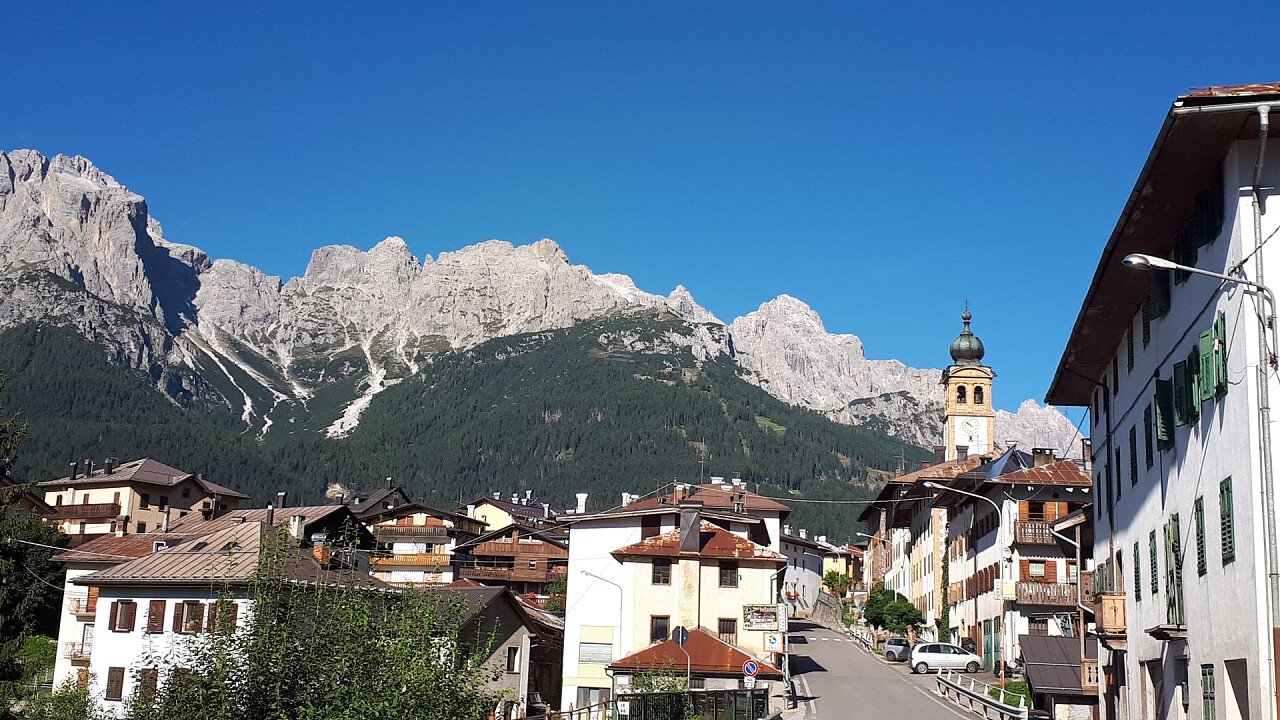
[[680, 635]]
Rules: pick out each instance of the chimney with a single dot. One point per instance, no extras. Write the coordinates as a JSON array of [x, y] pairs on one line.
[[804, 534], [75, 470], [546, 510], [786, 529], [271, 515], [88, 467], [690, 526], [515, 499], [297, 527], [109, 466], [388, 483], [1042, 456], [939, 454], [166, 519], [626, 499], [280, 499], [1086, 450], [717, 480], [582, 503], [497, 496], [471, 510], [528, 496], [822, 538], [926, 463], [962, 452]]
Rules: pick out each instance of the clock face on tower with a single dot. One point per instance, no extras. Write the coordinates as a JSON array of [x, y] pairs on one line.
[[970, 425], [972, 433]]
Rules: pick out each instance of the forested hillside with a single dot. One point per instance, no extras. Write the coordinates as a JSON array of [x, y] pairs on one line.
[[561, 412]]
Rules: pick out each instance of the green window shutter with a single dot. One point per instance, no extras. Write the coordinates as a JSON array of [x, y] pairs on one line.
[[1133, 455], [1129, 353], [1146, 324], [1220, 354], [1226, 507], [1155, 566], [1208, 692], [1181, 382], [1137, 571], [1164, 413], [1202, 566], [1148, 436], [1193, 385], [1208, 371], [1158, 294], [1174, 564]]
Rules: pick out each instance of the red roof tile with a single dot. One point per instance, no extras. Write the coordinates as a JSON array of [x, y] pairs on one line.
[[1234, 90], [1062, 472], [113, 549], [713, 542], [708, 655]]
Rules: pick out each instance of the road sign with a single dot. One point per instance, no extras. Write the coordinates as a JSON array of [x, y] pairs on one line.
[[775, 642], [680, 635], [749, 683], [750, 668]]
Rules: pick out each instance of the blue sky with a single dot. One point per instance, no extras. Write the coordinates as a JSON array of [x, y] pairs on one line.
[[884, 164]]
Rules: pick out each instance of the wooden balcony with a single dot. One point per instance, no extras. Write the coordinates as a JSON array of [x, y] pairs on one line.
[[436, 534], [1056, 594], [1089, 675], [1033, 532], [519, 549], [505, 574], [1109, 615], [413, 560], [87, 510], [77, 652]]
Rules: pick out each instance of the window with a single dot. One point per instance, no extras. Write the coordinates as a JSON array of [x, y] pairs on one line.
[[601, 653], [1119, 477], [661, 571], [164, 502], [147, 681], [142, 528], [650, 526], [1155, 565], [1038, 626], [1072, 572], [1228, 522], [961, 396], [978, 396], [115, 498], [144, 501], [728, 573], [82, 526], [659, 628], [123, 615], [1148, 436], [513, 659], [115, 683], [1208, 692], [186, 492], [1129, 351], [1115, 377], [1146, 325], [1036, 570], [1137, 572], [1035, 510], [1202, 566], [155, 616], [590, 696], [1133, 455], [728, 630], [188, 617], [1164, 414]]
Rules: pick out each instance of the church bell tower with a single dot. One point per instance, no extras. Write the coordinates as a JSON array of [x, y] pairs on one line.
[[969, 419]]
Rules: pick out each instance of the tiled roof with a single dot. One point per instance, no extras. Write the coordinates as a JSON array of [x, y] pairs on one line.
[[531, 511], [1234, 90], [112, 549], [145, 471], [195, 522], [226, 556], [713, 542], [719, 497], [1062, 472], [707, 655], [944, 470]]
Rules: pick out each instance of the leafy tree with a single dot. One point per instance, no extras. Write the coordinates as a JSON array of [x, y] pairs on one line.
[[838, 582], [556, 591], [67, 702], [343, 651], [670, 684], [891, 610]]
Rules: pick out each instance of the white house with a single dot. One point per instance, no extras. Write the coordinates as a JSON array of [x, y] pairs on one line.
[[802, 579], [1178, 374]]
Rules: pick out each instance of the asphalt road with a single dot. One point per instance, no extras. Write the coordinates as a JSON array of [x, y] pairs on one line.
[[836, 679]]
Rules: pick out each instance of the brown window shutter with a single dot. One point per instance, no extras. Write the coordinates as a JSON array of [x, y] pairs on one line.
[[82, 678], [93, 598], [1025, 570], [115, 614], [211, 617], [147, 681], [1051, 571], [115, 683], [235, 612], [155, 616], [1024, 511], [129, 610], [177, 616]]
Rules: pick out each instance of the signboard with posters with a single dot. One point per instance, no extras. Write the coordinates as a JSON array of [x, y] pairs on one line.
[[761, 617], [775, 642]]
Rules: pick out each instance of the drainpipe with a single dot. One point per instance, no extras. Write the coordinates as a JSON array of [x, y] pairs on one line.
[[1079, 569], [1264, 413]]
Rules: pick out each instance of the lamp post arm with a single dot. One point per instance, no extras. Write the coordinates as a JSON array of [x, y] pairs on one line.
[[1257, 287]]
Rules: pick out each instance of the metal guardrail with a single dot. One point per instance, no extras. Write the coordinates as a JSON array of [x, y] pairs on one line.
[[975, 696]]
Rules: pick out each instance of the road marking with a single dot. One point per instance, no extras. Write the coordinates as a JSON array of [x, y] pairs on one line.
[[934, 697]]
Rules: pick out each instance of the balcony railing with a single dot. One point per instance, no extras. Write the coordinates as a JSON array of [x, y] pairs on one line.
[[77, 651], [1033, 532], [518, 549], [1089, 675], [83, 606], [1109, 615], [505, 574], [414, 559], [1032, 593], [435, 533], [87, 510]]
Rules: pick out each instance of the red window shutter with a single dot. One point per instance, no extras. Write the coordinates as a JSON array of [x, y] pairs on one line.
[[1026, 570], [1051, 571], [93, 598], [115, 614], [155, 616], [1024, 511], [177, 616]]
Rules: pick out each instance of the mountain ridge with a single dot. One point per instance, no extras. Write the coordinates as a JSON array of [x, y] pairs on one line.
[[79, 248]]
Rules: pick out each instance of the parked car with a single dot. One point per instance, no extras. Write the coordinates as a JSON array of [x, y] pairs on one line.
[[897, 649], [931, 656]]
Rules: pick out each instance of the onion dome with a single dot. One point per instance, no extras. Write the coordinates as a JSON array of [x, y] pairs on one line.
[[967, 349]]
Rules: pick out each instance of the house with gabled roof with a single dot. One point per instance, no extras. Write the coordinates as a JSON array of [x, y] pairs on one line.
[[416, 541], [522, 557], [137, 496]]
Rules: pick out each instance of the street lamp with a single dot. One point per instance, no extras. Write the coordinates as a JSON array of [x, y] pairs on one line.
[[1004, 620], [1138, 261]]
